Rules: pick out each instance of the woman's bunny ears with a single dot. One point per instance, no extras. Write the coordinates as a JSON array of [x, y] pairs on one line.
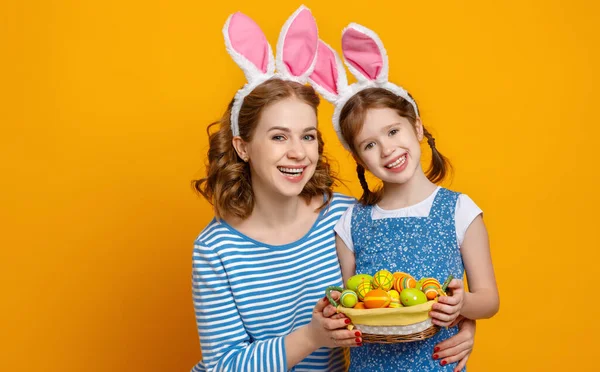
[[248, 46], [366, 59]]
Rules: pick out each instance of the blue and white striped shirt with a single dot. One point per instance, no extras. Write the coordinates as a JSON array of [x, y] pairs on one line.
[[249, 295]]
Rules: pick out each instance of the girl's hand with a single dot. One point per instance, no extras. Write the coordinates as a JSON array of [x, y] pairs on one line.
[[447, 309], [457, 348], [327, 328]]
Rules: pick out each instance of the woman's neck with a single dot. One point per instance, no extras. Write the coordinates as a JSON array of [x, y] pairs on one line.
[[401, 195]]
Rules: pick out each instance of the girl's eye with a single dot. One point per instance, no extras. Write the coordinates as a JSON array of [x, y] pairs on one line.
[[393, 132], [369, 145], [309, 137]]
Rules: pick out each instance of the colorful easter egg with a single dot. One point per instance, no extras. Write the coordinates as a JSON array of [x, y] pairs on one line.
[[431, 292], [403, 282], [394, 295], [383, 279], [353, 282], [412, 296], [428, 282], [360, 305], [363, 288], [376, 298], [395, 305], [348, 298]]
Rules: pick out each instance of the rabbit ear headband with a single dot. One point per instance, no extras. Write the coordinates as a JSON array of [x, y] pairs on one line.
[[248, 46], [366, 59]]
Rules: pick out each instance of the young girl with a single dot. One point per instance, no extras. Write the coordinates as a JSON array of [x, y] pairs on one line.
[[410, 224]]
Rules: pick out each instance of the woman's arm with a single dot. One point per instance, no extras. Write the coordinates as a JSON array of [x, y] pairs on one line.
[[457, 348]]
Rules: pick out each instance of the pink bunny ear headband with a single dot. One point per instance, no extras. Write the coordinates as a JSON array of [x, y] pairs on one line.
[[366, 59], [248, 46]]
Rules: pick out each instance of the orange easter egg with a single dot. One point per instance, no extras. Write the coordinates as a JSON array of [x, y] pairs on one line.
[[403, 282], [360, 305], [430, 293], [377, 298]]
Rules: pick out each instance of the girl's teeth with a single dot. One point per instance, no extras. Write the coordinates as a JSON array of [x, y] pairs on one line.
[[397, 162]]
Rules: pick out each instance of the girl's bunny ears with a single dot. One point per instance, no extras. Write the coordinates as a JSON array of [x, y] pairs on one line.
[[366, 59], [248, 46]]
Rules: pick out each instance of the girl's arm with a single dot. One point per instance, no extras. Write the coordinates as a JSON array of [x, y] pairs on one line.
[[482, 300], [346, 258], [224, 342]]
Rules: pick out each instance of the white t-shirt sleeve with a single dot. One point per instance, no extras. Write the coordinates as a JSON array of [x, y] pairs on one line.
[[344, 228], [466, 211]]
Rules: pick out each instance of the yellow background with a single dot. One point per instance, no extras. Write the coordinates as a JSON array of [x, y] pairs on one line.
[[103, 114]]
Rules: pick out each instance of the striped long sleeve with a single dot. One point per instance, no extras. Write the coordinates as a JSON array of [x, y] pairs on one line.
[[225, 344]]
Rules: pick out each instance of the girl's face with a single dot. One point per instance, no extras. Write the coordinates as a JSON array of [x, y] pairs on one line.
[[388, 145], [284, 149]]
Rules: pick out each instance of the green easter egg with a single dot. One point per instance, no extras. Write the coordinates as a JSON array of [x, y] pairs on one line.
[[348, 298], [412, 296], [353, 282]]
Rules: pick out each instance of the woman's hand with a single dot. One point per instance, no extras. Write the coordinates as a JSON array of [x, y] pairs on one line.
[[327, 328], [447, 309], [457, 348]]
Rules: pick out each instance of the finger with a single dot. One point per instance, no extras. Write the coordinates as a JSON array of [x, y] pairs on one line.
[[331, 324], [445, 308], [456, 284], [462, 363], [442, 317], [460, 337], [347, 337], [463, 347], [448, 300], [454, 358], [321, 304], [329, 311], [338, 316]]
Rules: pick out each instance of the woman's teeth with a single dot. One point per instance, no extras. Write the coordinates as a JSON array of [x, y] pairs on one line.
[[293, 171], [398, 162]]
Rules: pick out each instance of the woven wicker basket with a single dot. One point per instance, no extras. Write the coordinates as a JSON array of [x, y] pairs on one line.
[[389, 325]]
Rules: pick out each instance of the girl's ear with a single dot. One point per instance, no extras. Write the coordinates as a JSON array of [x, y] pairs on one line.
[[241, 147], [419, 129]]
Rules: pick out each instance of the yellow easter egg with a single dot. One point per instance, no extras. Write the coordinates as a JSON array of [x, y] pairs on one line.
[[383, 279], [348, 298], [363, 288], [394, 295], [395, 305], [377, 298]]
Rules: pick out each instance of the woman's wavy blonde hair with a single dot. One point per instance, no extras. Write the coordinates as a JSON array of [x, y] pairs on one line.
[[227, 185]]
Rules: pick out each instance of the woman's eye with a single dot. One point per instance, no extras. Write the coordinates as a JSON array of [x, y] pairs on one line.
[[278, 138], [309, 137]]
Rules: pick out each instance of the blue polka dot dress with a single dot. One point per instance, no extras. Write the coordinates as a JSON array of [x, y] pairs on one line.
[[420, 246]]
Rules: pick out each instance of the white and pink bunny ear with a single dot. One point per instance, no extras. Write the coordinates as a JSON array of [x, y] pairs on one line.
[[297, 46], [248, 46], [329, 76], [364, 53]]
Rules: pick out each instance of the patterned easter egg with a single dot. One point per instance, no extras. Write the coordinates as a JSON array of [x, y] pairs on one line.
[[363, 288], [403, 282], [395, 305], [394, 295], [348, 298], [376, 298], [428, 282], [431, 292], [383, 279]]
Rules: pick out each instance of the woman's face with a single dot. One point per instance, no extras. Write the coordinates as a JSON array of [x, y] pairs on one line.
[[284, 150]]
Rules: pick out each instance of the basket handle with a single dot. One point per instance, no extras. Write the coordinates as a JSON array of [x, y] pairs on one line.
[[328, 294], [447, 282]]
